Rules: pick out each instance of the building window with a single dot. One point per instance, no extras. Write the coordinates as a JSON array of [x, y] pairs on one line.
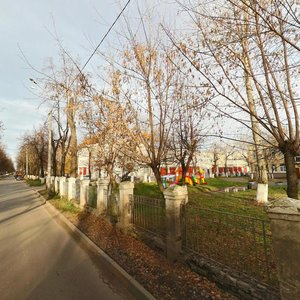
[[282, 168]]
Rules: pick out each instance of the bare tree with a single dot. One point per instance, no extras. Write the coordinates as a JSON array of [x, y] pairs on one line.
[[249, 56], [146, 86], [60, 141], [64, 87], [1, 128], [34, 149], [189, 121], [107, 123], [38, 141], [6, 164], [227, 153], [216, 151]]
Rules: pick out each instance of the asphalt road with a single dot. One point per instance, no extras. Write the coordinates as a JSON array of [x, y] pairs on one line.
[[39, 259]]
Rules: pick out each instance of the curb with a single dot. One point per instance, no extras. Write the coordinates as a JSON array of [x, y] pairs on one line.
[[130, 283], [39, 196]]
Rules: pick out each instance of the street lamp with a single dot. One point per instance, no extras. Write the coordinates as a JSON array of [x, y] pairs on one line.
[[33, 81], [26, 162]]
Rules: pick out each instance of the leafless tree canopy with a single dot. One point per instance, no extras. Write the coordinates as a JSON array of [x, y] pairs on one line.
[[248, 51]]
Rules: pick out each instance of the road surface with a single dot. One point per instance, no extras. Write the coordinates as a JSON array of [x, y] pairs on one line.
[[39, 259]]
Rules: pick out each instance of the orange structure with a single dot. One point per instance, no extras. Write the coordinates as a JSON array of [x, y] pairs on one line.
[[195, 175]]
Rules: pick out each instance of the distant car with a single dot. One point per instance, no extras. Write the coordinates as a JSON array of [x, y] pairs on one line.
[[18, 177]]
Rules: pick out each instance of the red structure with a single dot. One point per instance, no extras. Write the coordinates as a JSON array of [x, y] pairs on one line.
[[174, 170], [83, 171]]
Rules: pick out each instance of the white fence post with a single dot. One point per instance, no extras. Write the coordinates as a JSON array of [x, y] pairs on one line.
[[285, 228], [62, 181], [102, 187], [174, 196], [125, 190], [71, 183], [52, 178], [84, 189], [56, 185]]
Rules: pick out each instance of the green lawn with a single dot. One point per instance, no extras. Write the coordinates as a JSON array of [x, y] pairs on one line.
[[216, 220], [212, 196], [214, 184], [36, 182], [64, 205], [150, 190]]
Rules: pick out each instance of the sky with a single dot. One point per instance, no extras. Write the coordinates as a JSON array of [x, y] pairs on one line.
[[26, 30], [26, 27]]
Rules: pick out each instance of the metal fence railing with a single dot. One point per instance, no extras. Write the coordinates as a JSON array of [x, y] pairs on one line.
[[239, 242], [148, 214], [92, 196]]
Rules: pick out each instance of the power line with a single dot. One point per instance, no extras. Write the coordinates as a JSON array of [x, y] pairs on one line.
[[99, 44], [104, 37], [95, 50]]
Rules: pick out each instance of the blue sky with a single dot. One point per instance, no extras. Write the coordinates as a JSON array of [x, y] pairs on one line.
[[25, 25]]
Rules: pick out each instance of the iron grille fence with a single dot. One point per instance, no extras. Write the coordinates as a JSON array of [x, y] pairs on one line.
[[239, 242], [92, 197], [148, 214]]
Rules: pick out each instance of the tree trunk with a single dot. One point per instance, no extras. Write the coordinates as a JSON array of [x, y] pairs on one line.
[[291, 175], [215, 168], [112, 180], [73, 137], [89, 166], [186, 166], [157, 175], [54, 164], [184, 171], [42, 168], [262, 178], [63, 160], [73, 151]]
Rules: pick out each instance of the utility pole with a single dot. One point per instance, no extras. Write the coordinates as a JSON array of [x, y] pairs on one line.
[[49, 166], [26, 161]]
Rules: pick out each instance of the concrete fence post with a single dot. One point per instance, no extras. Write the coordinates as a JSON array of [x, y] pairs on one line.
[[52, 178], [174, 197], [65, 188], [56, 185], [71, 189], [84, 192], [77, 189], [285, 226], [48, 182], [102, 187], [125, 190], [62, 181]]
